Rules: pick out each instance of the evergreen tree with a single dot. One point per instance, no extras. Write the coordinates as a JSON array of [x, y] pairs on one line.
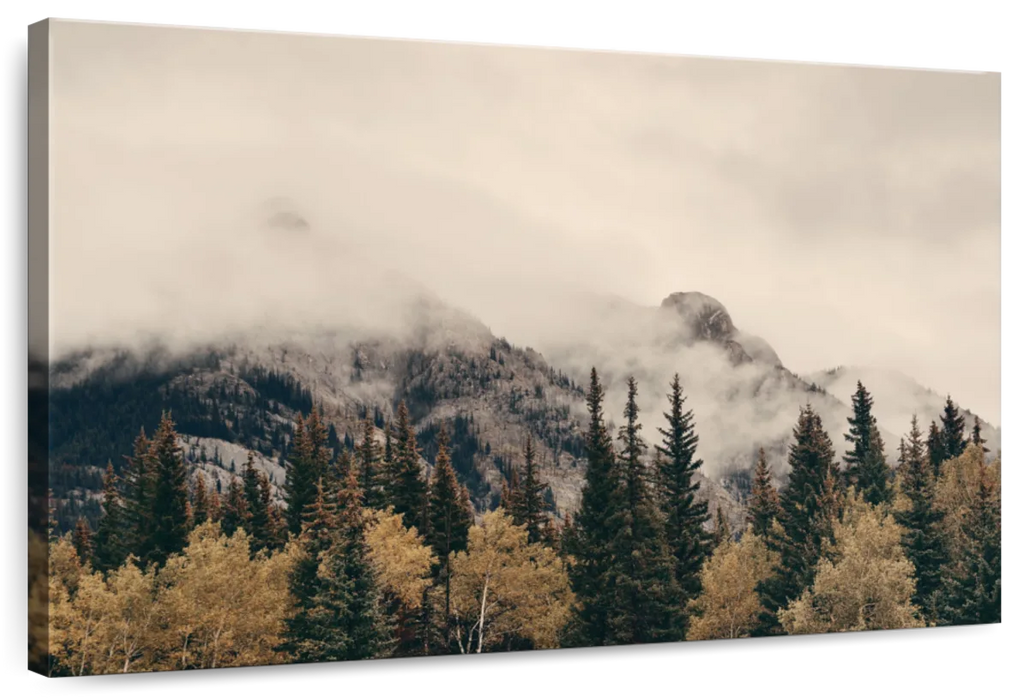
[[685, 511], [866, 460], [808, 500], [588, 538], [257, 493], [139, 497], [201, 500], [763, 506], [936, 448], [308, 463], [953, 424], [234, 509], [648, 604], [511, 493], [529, 508], [369, 460], [972, 582], [408, 492], [82, 540], [170, 504], [450, 519], [923, 536], [977, 435], [109, 542]]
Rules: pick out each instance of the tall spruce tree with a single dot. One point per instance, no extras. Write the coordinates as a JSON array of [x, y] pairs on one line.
[[972, 581], [109, 549], [170, 505], [234, 510], [684, 510], [308, 462], [953, 428], [305, 635], [923, 537], [82, 541], [648, 605], [408, 492], [450, 519], [529, 509], [977, 435], [370, 465], [201, 500], [936, 448], [807, 502], [866, 459], [587, 540], [258, 520], [139, 497], [763, 506]]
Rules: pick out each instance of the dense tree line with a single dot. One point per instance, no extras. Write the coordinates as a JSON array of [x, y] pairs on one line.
[[376, 550]]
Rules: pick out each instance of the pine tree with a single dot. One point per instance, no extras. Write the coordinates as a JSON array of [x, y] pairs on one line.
[[923, 536], [763, 506], [308, 462], [408, 492], [685, 511], [936, 448], [866, 460], [369, 460], [587, 540], [953, 424], [529, 508], [972, 582], [109, 542], [807, 502], [449, 521], [139, 497], [257, 496], [171, 495], [201, 500], [977, 435], [648, 604], [234, 509], [82, 540], [511, 493]]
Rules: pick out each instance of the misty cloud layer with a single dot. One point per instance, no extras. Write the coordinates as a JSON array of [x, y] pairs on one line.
[[209, 183]]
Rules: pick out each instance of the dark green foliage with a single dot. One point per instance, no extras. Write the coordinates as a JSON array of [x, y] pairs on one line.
[[588, 539], [936, 448], [109, 548], [234, 508], [370, 477], [953, 429], [977, 435], [201, 500], [923, 537], [972, 582], [648, 604], [408, 492], [684, 510], [308, 463], [169, 508], [763, 506], [82, 540], [257, 493], [528, 506], [138, 497], [450, 518], [866, 460], [808, 503]]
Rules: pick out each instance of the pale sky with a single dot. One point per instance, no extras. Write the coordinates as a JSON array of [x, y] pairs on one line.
[[850, 216]]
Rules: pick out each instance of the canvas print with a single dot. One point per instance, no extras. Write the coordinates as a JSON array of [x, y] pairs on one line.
[[348, 348]]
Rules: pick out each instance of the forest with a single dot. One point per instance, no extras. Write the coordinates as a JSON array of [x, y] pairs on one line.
[[372, 555]]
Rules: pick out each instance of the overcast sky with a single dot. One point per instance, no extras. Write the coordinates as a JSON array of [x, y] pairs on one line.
[[847, 215]]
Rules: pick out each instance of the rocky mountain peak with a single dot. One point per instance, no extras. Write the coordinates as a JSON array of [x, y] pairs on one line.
[[704, 317]]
